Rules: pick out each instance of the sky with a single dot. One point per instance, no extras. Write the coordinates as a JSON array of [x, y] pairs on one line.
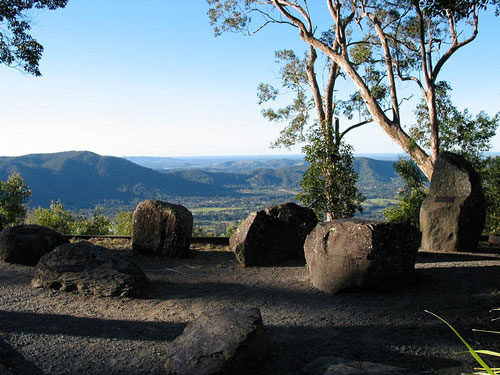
[[148, 78]]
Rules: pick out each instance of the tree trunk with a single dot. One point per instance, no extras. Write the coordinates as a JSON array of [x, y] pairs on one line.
[[391, 127], [434, 124]]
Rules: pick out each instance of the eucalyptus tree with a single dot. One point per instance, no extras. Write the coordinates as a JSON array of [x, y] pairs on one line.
[[329, 185], [409, 40], [18, 48]]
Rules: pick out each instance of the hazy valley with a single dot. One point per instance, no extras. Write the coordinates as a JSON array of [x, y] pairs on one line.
[[218, 190]]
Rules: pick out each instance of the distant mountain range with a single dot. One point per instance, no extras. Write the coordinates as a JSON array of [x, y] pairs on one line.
[[82, 180]]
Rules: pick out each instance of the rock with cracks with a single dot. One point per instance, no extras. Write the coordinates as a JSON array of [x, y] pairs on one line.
[[162, 229], [272, 235], [361, 254], [26, 244], [223, 341], [453, 214], [91, 270]]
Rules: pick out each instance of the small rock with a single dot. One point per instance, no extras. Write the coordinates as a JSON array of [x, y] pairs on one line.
[[89, 269], [223, 341], [25, 244], [160, 228], [273, 235]]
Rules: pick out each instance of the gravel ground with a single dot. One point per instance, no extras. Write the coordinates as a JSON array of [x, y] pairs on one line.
[[45, 332]]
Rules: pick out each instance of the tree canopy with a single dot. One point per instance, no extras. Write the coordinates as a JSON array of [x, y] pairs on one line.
[[407, 41], [17, 47]]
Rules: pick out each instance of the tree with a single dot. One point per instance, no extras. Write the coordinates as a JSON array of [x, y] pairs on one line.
[[461, 132], [410, 41], [331, 160], [339, 196], [410, 197], [14, 194], [17, 47]]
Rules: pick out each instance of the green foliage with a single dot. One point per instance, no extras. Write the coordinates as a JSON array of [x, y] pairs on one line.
[[460, 132], [230, 229], [123, 223], [98, 224], [337, 195], [295, 81], [17, 47], [63, 221], [491, 186], [14, 194], [409, 198], [55, 217]]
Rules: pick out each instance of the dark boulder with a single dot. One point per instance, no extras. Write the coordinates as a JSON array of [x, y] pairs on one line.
[[224, 341], [362, 254], [25, 244], [162, 229], [453, 214], [89, 269], [272, 235]]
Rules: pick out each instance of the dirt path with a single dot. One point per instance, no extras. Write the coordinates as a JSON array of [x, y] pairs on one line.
[[42, 332]]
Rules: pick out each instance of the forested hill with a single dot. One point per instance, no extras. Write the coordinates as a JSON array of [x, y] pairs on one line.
[[82, 180]]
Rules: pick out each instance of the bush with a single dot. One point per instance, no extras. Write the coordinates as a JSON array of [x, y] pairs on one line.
[[410, 198], [14, 194], [63, 221], [491, 185], [123, 223], [97, 225], [55, 217]]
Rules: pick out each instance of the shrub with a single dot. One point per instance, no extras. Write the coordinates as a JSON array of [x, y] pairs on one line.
[[14, 194], [55, 217], [123, 223]]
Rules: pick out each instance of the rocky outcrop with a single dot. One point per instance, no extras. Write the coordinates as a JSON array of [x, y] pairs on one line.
[[25, 244], [272, 235], [219, 342], [162, 229], [453, 214], [363, 254], [89, 269]]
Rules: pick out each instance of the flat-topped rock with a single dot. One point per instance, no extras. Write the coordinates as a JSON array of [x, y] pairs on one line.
[[89, 269], [161, 229]]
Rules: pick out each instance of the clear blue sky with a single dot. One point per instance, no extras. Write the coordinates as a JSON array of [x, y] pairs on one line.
[[130, 77]]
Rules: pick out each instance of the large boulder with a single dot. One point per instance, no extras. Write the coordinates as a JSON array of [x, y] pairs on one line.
[[25, 244], [91, 270], [453, 214], [272, 235], [160, 228], [363, 254], [222, 341]]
